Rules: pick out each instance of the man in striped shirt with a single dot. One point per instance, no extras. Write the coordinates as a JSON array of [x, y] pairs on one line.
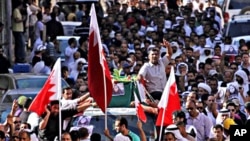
[[83, 29]]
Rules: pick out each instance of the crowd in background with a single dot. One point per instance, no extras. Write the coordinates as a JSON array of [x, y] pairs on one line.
[[212, 75]]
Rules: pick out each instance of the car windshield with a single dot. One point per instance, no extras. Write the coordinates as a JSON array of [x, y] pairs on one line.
[[31, 82], [237, 42], [95, 124], [10, 98], [239, 29], [238, 4], [34, 82]]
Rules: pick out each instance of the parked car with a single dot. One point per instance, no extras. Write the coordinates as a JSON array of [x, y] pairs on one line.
[[94, 119], [235, 7], [10, 96], [69, 27], [235, 40], [14, 85], [239, 25]]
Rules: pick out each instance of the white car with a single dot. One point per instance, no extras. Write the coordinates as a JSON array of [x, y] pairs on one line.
[[94, 120], [235, 7], [235, 40], [239, 25], [69, 26]]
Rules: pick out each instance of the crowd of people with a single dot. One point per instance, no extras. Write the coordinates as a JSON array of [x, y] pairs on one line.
[[142, 40]]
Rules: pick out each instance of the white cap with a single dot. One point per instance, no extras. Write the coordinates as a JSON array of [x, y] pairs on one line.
[[174, 44], [150, 47], [41, 47], [150, 29], [167, 24], [207, 46], [205, 87], [179, 18], [212, 72]]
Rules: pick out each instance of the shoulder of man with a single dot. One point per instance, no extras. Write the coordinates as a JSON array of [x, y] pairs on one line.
[[134, 136]]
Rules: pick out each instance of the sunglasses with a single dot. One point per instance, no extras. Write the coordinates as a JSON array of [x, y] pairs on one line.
[[15, 122], [232, 110], [189, 109], [200, 108], [244, 50], [80, 63]]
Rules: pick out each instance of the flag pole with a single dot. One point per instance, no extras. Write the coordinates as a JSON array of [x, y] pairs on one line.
[[60, 120], [164, 111], [105, 99], [160, 135], [59, 90]]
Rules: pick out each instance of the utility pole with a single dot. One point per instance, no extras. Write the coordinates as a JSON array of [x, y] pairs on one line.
[[8, 30]]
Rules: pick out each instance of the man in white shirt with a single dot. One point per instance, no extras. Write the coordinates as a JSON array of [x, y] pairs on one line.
[[69, 51], [153, 72]]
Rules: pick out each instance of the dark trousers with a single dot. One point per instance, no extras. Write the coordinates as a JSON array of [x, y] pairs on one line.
[[156, 95], [19, 46]]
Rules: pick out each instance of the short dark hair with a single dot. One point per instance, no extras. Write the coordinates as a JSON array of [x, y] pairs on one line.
[[82, 40], [27, 103], [189, 48], [66, 88], [123, 121], [180, 114], [95, 137], [74, 135], [231, 104], [54, 102], [83, 132], [71, 40], [218, 126]]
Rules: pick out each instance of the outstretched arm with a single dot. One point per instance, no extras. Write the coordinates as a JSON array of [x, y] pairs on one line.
[[141, 131]]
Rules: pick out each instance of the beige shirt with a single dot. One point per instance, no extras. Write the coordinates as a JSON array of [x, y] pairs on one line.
[[155, 75], [17, 26]]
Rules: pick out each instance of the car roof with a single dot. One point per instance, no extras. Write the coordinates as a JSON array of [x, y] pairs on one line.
[[28, 92], [71, 23], [24, 75], [110, 111], [23, 91], [67, 37], [75, 1], [242, 17], [241, 37]]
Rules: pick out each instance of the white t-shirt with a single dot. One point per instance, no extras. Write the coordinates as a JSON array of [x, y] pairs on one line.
[[38, 28]]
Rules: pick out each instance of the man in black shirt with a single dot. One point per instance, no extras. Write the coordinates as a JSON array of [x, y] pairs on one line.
[[83, 48], [49, 125]]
